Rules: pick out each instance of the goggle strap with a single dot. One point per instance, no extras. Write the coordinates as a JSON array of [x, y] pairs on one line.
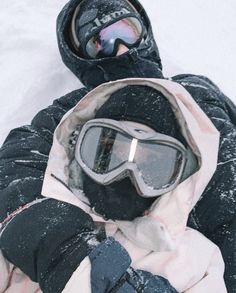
[[74, 38]]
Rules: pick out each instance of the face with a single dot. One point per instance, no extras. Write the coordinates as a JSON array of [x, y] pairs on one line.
[[118, 200], [121, 49], [116, 38]]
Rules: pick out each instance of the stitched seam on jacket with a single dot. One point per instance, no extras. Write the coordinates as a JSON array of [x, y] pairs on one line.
[[11, 216]]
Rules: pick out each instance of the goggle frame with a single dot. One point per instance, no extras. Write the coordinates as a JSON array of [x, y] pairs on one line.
[[129, 168]]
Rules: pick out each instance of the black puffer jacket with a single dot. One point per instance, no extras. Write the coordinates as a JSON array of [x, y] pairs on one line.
[[143, 61], [24, 155], [215, 214]]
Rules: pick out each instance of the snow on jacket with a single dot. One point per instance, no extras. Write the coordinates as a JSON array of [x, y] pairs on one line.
[[24, 156], [197, 261]]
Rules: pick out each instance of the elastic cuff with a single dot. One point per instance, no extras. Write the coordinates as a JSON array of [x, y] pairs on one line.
[[109, 262]]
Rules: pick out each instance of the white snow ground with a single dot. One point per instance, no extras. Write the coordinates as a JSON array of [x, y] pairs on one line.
[[196, 36]]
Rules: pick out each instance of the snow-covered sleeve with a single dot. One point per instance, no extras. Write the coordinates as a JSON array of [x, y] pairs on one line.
[[214, 214], [48, 240], [55, 238], [24, 156], [23, 160]]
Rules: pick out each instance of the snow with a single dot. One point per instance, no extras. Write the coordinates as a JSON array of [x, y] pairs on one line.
[[196, 36]]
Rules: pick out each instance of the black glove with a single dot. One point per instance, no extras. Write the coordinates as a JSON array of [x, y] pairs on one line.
[[48, 241]]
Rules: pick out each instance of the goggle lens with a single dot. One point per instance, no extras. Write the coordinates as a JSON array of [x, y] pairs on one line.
[[127, 31], [158, 164], [104, 149]]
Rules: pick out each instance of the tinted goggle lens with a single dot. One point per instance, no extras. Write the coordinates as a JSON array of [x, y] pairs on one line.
[[158, 164], [104, 149], [127, 31]]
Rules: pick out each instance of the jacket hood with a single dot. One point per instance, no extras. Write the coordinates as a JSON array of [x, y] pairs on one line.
[[158, 242], [142, 61], [173, 208]]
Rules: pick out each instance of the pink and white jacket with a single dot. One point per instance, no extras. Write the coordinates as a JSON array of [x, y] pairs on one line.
[[160, 242]]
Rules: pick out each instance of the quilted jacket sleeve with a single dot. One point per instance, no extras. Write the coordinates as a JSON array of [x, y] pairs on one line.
[[24, 156], [214, 214], [23, 160]]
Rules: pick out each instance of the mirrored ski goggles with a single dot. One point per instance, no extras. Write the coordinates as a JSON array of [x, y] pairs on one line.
[[109, 150], [127, 31]]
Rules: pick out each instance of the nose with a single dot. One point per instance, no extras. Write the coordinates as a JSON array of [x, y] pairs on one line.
[[122, 49]]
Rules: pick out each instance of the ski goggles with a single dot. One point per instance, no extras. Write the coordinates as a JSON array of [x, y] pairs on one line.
[[109, 150], [127, 31]]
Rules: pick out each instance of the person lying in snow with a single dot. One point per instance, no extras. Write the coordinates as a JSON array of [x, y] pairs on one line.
[[25, 152], [102, 40], [126, 167]]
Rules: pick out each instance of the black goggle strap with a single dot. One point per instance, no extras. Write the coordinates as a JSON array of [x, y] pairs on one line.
[[73, 35]]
